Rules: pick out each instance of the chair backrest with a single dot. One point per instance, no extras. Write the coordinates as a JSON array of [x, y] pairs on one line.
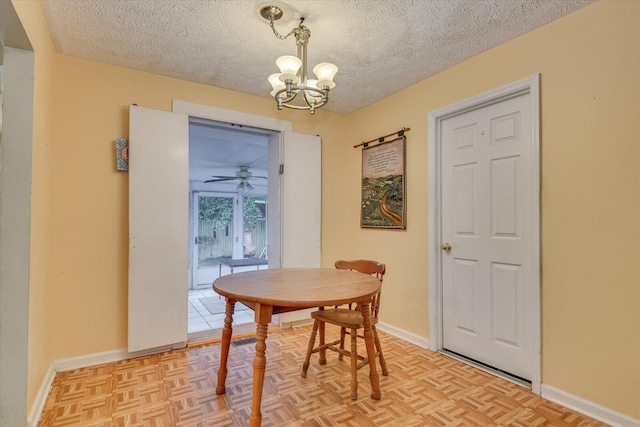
[[368, 267]]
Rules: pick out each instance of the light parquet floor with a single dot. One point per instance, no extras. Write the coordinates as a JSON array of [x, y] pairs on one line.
[[177, 389]]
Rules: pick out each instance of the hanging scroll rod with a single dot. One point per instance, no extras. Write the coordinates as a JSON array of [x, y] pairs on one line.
[[382, 138]]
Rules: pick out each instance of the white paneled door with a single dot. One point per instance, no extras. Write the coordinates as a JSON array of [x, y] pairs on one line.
[[158, 228], [487, 235]]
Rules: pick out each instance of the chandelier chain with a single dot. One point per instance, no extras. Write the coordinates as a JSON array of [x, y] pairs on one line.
[[293, 31]]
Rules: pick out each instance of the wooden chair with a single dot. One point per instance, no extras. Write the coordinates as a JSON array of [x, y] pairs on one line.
[[349, 320]]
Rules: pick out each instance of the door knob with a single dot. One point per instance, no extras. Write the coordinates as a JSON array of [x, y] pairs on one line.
[[446, 247]]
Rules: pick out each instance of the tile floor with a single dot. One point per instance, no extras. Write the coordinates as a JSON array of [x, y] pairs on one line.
[[201, 320]]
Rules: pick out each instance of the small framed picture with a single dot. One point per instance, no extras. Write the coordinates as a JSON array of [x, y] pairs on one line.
[[122, 154]]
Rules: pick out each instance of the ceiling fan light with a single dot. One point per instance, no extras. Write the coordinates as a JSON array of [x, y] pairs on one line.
[[325, 72], [240, 187], [248, 187], [289, 66]]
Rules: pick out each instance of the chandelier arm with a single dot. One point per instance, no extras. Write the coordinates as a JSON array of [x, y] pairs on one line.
[[284, 99], [302, 107], [310, 88], [284, 102], [296, 89]]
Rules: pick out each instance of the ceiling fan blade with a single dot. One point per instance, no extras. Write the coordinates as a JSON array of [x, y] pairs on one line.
[[220, 179], [224, 176], [262, 177]]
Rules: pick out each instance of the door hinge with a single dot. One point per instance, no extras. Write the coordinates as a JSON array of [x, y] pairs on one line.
[[281, 170]]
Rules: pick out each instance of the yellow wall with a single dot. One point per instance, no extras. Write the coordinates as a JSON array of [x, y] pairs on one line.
[[589, 67], [90, 196], [590, 108], [39, 339]]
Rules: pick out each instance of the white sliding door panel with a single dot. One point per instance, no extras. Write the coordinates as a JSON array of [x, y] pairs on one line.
[[158, 228], [301, 200], [301, 195]]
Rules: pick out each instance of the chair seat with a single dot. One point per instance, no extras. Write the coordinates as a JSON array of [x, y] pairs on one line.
[[343, 317]]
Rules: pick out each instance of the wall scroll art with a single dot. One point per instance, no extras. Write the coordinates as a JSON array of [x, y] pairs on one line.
[[383, 185]]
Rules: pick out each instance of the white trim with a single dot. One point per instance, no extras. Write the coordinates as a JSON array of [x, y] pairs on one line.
[[41, 398], [69, 364], [529, 85], [494, 372], [276, 147], [229, 116], [588, 408], [403, 335]]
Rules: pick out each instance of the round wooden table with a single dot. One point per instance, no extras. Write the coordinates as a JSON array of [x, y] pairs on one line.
[[270, 292]]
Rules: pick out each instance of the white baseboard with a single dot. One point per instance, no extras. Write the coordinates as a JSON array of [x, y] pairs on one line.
[[588, 408], [293, 318], [404, 335], [41, 398], [61, 365], [70, 364], [560, 397]]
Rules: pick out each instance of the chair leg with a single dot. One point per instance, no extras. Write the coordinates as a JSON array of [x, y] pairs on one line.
[[323, 352], [312, 341], [376, 340], [342, 334], [354, 365]]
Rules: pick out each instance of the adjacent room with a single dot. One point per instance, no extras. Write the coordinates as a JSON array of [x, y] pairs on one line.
[[184, 187]]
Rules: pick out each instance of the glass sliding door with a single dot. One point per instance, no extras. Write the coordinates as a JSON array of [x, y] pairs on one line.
[[255, 227], [215, 235]]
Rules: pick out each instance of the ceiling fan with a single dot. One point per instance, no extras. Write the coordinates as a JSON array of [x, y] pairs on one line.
[[243, 175]]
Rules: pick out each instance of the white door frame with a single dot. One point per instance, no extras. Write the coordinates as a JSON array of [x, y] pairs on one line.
[[530, 85], [230, 116], [277, 253], [252, 120]]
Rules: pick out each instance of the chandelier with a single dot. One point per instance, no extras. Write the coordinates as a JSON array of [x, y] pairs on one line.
[[291, 87]]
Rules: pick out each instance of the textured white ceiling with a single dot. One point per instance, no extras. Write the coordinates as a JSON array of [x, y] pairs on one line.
[[380, 47]]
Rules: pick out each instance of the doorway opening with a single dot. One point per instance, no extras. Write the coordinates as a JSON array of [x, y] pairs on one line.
[[229, 195]]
